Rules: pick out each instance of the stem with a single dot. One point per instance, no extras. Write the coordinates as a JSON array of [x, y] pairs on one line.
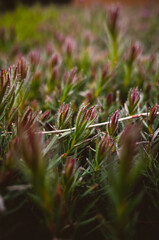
[[97, 124]]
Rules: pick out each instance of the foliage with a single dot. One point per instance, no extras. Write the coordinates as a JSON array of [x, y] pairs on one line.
[[79, 124]]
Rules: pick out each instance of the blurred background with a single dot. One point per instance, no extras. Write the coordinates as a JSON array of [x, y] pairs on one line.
[[11, 4], [130, 2]]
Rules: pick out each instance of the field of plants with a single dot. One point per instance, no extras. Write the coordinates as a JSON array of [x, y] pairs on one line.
[[79, 123]]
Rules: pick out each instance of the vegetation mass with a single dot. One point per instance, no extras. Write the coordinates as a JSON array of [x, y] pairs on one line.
[[79, 123]]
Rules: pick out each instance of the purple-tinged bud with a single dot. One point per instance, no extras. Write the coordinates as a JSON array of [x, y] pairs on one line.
[[89, 95], [85, 117], [105, 72], [55, 72], [113, 123], [54, 60], [153, 114], [34, 104], [59, 37], [49, 48], [113, 19], [58, 197], [90, 114], [22, 68], [45, 116], [129, 138], [30, 147], [70, 77], [8, 78], [146, 13], [28, 119], [16, 50], [38, 74], [133, 100], [87, 38], [73, 76], [133, 53], [104, 146], [109, 99], [34, 57], [70, 167], [68, 173], [2, 78], [64, 116], [93, 73], [148, 87], [69, 46]]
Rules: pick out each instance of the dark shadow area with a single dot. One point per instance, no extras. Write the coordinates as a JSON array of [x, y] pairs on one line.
[[11, 4]]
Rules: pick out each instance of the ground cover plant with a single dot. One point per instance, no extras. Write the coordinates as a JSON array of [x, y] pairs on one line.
[[79, 123]]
